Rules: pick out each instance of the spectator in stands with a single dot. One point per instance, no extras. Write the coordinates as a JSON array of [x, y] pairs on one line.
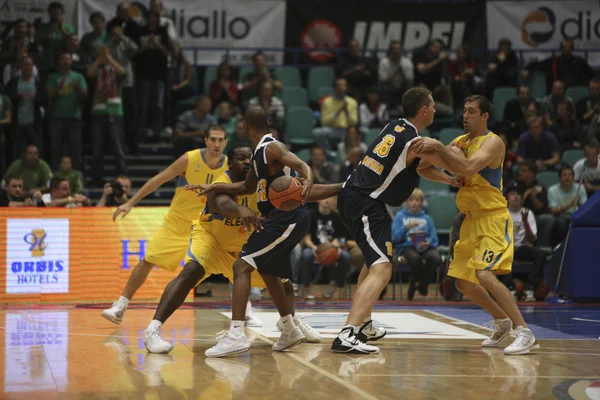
[[353, 139], [27, 97], [590, 167], [568, 68], [372, 113], [271, 104], [253, 81], [525, 235], [535, 195], [52, 37], [60, 195], [356, 69], [396, 74], [192, 127], [239, 136], [516, 109], [414, 237], [433, 71], [129, 27], [13, 68], [355, 155], [589, 106], [91, 42], [180, 84], [224, 87], [35, 172], [152, 58], [539, 145], [5, 121], [564, 199], [567, 130], [112, 189], [325, 227], [504, 68], [226, 118], [463, 75], [323, 172], [533, 110], [157, 6], [66, 91], [12, 194], [80, 61], [74, 177], [338, 113], [107, 112], [18, 41], [558, 96]]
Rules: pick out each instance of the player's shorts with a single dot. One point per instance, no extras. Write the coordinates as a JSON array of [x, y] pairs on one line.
[[485, 243], [369, 224], [204, 249], [269, 251], [169, 245]]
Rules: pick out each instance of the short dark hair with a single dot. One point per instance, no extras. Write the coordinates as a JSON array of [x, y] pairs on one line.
[[96, 14], [55, 4], [13, 178], [317, 147], [595, 80], [153, 14], [513, 187], [393, 43], [485, 105], [531, 165], [231, 151], [594, 144], [56, 181], [60, 54], [257, 54], [565, 167], [122, 176], [256, 118], [215, 127], [202, 97], [414, 99]]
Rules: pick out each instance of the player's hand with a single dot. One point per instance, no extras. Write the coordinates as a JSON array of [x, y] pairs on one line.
[[250, 219], [124, 209], [458, 182], [425, 145], [200, 189], [308, 185]]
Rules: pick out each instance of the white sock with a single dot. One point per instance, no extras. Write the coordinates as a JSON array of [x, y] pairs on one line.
[[155, 324], [367, 319], [287, 323], [124, 300], [249, 308], [237, 328]]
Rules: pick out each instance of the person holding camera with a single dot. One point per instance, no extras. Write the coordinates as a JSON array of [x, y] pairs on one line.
[[116, 192]]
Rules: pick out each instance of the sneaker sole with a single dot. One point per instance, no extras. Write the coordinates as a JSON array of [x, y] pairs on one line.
[[351, 350], [297, 342], [111, 319], [229, 353], [524, 351], [158, 352]]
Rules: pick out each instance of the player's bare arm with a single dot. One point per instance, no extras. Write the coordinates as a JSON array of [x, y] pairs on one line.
[[322, 192], [277, 152], [241, 188], [177, 168], [224, 204]]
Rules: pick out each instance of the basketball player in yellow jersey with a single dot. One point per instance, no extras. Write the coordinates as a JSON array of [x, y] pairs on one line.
[[485, 247], [168, 247]]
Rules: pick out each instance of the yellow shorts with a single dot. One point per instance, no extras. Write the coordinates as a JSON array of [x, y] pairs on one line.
[[206, 251], [485, 243], [169, 245]]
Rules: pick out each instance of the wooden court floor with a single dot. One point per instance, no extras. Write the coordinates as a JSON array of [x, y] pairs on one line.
[[72, 353]]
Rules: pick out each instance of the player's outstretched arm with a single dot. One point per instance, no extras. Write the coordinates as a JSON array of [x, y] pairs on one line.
[[278, 152], [241, 188], [322, 192], [223, 204]]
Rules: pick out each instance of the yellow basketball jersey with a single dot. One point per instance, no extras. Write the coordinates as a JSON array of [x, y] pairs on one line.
[[230, 233], [186, 204], [481, 194]]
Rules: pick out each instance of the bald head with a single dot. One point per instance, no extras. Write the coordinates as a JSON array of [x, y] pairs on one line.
[[256, 118]]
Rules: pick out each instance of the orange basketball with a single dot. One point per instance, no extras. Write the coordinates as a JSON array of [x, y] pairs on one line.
[[285, 193], [327, 254]]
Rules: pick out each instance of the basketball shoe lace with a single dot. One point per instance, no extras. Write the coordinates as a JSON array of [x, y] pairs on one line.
[[222, 335], [494, 328]]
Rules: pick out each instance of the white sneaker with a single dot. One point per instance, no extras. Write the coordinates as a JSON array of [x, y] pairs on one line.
[[311, 335], [289, 339], [348, 342], [154, 343], [228, 345], [524, 342], [368, 333], [529, 295], [500, 329], [115, 313]]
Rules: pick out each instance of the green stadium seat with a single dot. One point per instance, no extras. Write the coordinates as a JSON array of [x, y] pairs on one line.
[[317, 78], [548, 178], [501, 96], [299, 126], [304, 155], [425, 133], [288, 76], [577, 93], [572, 156], [447, 135], [442, 210], [371, 135], [210, 74], [325, 91], [294, 96], [537, 85], [243, 72], [431, 188]]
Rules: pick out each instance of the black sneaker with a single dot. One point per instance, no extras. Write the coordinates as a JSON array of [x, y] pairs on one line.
[[348, 342]]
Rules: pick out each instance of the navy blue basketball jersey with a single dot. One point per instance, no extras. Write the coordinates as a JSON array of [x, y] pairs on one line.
[[261, 172], [383, 174]]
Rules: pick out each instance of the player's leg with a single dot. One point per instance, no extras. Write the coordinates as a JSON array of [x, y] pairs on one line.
[[481, 297], [312, 336]]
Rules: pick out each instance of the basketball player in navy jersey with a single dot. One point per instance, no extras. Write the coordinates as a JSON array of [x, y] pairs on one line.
[[386, 175], [269, 249]]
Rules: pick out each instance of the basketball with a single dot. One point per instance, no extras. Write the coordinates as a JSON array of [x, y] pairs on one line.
[[285, 193], [327, 254], [541, 291]]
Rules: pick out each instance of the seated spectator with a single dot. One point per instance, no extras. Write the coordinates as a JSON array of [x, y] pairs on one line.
[[356, 69], [17, 41], [538, 145], [5, 122], [353, 139], [463, 74], [567, 130], [253, 81], [589, 106], [323, 172], [557, 97], [192, 127], [568, 68], [525, 235], [590, 167], [12, 194], [533, 110], [535, 195], [355, 155], [239, 136], [433, 72], [325, 227], [504, 68], [270, 103], [51, 38], [27, 97], [80, 61], [115, 193], [414, 237], [516, 109], [107, 112], [91, 42], [373, 114], [180, 79], [396, 74], [36, 173], [226, 118], [60, 195], [74, 177], [564, 199], [66, 91], [338, 113], [224, 87]]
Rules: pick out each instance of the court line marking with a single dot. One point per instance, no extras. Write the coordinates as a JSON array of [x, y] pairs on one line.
[[462, 322], [482, 376], [586, 320], [321, 371]]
